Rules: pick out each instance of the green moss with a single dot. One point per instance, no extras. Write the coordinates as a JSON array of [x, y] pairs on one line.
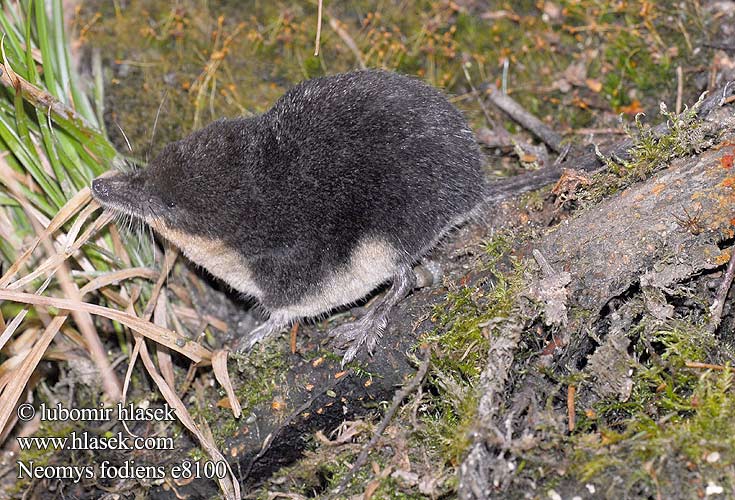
[[258, 375], [533, 200], [464, 329], [333, 471], [649, 152], [448, 424], [322, 470], [389, 489], [497, 247], [676, 416], [463, 322], [260, 371]]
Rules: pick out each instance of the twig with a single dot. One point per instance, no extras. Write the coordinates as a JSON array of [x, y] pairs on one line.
[[563, 155], [727, 98], [169, 257], [592, 131], [719, 303], [397, 399], [679, 88], [334, 23], [707, 366], [571, 392], [508, 105], [292, 337], [155, 120], [590, 161], [721, 46], [318, 28], [485, 112]]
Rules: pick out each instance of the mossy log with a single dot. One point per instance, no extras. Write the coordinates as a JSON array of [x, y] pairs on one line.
[[624, 263]]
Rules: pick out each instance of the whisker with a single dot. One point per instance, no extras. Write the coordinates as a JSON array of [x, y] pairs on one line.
[[130, 148], [155, 121]]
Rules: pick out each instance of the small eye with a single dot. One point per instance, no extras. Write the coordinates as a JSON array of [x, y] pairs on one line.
[[171, 204]]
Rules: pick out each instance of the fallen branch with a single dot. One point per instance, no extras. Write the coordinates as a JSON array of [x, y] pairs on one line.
[[509, 106], [590, 161]]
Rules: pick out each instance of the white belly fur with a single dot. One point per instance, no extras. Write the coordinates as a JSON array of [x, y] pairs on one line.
[[219, 259], [372, 263]]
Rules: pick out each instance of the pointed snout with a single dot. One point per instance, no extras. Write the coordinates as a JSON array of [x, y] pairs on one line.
[[114, 188], [101, 188], [122, 192]]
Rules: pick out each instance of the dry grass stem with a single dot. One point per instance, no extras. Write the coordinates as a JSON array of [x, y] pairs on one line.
[[219, 366], [228, 484], [169, 338]]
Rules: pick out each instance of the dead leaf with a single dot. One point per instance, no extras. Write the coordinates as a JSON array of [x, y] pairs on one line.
[[551, 291], [631, 109], [656, 303], [593, 85]]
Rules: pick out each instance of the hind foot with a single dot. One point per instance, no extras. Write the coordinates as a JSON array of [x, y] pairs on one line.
[[368, 329], [351, 337], [262, 332]]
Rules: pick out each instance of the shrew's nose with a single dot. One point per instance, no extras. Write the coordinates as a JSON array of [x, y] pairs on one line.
[[100, 188]]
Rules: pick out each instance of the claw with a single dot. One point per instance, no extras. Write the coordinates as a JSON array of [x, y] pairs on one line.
[[258, 334], [349, 355], [365, 331]]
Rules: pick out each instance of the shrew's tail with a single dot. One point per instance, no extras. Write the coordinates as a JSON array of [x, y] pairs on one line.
[[513, 186]]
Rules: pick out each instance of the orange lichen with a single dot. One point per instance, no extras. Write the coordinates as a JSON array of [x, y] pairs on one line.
[[727, 161], [723, 258]]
